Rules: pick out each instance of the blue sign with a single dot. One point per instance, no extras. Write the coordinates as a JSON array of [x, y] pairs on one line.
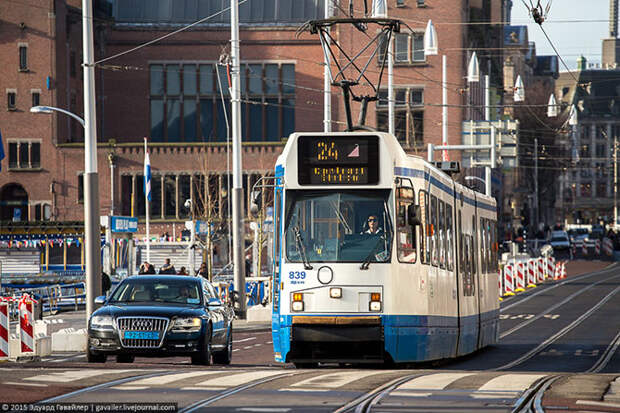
[[202, 227], [17, 214], [123, 224]]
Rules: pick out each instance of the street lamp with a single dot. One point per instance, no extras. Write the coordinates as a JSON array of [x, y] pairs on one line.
[[51, 109], [473, 75], [552, 107]]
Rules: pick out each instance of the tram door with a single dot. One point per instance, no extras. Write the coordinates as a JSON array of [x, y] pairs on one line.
[[467, 280]]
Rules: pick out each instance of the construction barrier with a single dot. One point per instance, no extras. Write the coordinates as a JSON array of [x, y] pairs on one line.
[[597, 247], [4, 329], [540, 270], [584, 248], [608, 247], [26, 324], [531, 274], [520, 278], [550, 268], [509, 286]]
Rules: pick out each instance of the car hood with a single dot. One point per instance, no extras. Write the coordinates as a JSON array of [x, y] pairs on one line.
[[154, 310]]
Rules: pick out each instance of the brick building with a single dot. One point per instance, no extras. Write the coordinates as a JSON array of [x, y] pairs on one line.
[[174, 92]]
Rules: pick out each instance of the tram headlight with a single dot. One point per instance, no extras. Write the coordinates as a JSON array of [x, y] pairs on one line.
[[298, 302], [335, 292], [375, 302]]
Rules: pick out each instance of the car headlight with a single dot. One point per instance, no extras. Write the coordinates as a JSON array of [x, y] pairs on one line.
[[102, 322], [186, 325]]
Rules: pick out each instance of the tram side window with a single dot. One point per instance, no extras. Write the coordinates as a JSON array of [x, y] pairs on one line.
[[424, 228], [469, 273], [483, 246], [449, 238], [442, 237], [433, 232], [494, 246], [473, 246], [489, 246], [406, 232], [459, 223]]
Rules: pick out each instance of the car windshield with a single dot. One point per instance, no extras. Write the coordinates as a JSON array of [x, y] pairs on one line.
[[140, 290], [344, 226], [559, 239]]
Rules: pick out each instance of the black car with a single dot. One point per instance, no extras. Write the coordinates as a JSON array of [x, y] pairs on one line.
[[161, 315]]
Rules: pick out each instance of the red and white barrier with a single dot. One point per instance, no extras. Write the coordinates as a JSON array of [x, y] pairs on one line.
[[597, 247], [540, 270], [608, 247], [26, 324], [4, 330], [531, 273], [509, 285], [520, 277], [584, 248], [550, 267]]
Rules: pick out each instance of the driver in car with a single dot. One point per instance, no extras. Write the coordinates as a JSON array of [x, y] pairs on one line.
[[373, 226]]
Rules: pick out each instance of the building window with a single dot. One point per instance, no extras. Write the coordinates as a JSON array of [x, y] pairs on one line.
[[408, 48], [23, 58], [36, 98], [80, 188], [408, 115], [24, 155], [72, 64], [400, 3], [275, 12], [186, 104], [42, 212], [11, 103]]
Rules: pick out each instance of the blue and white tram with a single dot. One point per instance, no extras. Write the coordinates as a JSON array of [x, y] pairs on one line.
[[380, 256]]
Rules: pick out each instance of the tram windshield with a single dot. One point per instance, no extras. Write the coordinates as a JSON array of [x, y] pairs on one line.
[[344, 226]]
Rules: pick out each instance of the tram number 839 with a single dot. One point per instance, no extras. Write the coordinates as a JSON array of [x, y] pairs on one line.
[[297, 275]]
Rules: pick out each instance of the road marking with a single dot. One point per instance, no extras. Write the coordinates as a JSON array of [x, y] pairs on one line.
[[510, 382], [244, 339], [73, 375], [235, 350], [67, 358], [420, 386], [334, 380], [26, 384], [162, 380], [129, 387], [602, 404], [239, 379]]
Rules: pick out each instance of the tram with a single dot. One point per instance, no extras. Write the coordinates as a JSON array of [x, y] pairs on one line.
[[379, 255]]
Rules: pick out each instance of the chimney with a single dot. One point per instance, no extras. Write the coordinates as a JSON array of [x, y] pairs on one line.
[[613, 18]]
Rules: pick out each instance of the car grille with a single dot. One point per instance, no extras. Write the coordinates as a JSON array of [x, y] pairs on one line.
[[142, 324]]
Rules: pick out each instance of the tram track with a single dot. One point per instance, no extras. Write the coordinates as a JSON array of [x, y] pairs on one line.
[[531, 399]]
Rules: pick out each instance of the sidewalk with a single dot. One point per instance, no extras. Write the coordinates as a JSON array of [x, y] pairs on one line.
[[251, 326], [578, 267]]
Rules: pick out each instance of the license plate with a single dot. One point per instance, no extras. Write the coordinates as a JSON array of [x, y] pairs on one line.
[[143, 335]]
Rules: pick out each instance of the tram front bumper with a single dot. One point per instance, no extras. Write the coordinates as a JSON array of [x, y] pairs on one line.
[[336, 339]]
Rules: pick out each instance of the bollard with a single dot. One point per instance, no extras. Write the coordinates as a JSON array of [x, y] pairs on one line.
[[26, 323], [4, 329]]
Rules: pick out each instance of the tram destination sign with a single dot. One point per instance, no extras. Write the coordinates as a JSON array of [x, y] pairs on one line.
[[338, 160]]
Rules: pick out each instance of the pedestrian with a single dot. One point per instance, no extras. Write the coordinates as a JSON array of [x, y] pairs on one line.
[[144, 268], [203, 271], [106, 284], [183, 271], [167, 268]]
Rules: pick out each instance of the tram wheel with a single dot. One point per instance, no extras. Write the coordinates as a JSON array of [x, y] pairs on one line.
[[307, 365]]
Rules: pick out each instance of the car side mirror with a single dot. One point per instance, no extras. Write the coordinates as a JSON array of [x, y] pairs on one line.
[[214, 302], [99, 301], [413, 215]]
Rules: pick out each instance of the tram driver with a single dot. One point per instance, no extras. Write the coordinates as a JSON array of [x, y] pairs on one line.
[[373, 226]]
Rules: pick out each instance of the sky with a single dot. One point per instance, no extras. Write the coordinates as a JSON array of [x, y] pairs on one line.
[[575, 27]]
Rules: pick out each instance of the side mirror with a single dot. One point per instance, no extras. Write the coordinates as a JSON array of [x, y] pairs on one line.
[[413, 215], [214, 302], [99, 301]]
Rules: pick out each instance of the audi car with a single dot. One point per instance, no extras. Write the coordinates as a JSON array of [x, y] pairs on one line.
[[161, 315]]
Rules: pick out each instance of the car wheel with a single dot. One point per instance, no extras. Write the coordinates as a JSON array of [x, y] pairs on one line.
[[92, 357], [203, 357], [125, 358], [225, 356]]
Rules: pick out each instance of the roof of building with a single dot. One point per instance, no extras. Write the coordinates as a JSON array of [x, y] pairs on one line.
[[598, 94]]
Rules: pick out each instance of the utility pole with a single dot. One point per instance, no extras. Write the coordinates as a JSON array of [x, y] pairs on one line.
[[327, 91], [615, 181], [536, 203], [92, 230], [237, 190]]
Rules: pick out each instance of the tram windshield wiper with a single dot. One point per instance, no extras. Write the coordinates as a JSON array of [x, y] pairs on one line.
[[368, 259], [301, 248]]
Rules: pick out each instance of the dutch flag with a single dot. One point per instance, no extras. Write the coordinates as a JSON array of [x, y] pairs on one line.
[[147, 173]]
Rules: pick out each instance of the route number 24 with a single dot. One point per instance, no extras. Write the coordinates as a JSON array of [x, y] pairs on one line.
[[297, 275]]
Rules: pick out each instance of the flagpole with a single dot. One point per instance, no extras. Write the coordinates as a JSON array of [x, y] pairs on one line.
[[148, 205]]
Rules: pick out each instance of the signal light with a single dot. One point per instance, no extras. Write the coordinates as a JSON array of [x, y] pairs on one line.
[[298, 297], [375, 296]]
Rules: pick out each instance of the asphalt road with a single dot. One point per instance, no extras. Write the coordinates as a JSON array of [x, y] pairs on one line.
[[558, 348]]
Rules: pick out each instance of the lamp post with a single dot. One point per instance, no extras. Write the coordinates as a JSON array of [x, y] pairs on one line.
[[473, 75], [50, 109]]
